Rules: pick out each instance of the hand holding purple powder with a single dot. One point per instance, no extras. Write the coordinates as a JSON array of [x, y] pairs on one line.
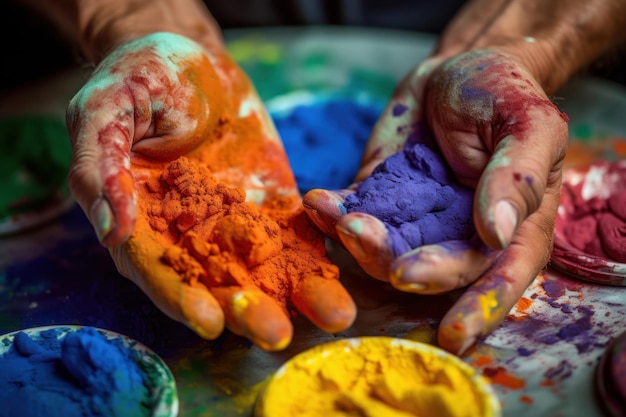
[[414, 194]]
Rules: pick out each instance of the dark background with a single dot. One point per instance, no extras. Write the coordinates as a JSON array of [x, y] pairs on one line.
[[33, 48]]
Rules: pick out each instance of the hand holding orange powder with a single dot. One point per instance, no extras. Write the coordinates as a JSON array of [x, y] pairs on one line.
[[184, 178]]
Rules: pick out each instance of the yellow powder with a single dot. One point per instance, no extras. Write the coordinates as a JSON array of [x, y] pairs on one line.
[[376, 376]]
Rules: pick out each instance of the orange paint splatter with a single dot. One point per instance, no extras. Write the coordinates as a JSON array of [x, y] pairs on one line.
[[523, 304], [482, 360], [547, 383], [520, 311], [526, 399], [501, 376], [619, 147]]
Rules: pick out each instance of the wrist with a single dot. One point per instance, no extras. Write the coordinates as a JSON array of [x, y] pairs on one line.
[[103, 26], [545, 59], [552, 39]]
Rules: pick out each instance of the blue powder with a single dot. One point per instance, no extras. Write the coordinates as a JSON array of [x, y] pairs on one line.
[[49, 288], [414, 194], [325, 140], [522, 351], [80, 374]]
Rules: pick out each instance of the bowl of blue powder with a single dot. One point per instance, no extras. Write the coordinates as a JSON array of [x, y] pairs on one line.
[[324, 134], [82, 371]]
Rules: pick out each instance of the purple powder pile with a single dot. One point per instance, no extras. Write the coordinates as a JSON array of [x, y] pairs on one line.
[[415, 195]]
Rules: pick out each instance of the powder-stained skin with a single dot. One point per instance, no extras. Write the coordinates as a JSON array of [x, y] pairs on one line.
[[486, 112], [226, 241]]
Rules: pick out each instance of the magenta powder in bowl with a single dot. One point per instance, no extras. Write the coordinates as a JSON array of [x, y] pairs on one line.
[[590, 227]]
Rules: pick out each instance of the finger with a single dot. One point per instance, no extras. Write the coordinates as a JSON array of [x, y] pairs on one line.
[[400, 121], [161, 113], [368, 241], [192, 305], [324, 208], [525, 168], [325, 302], [99, 176], [436, 269], [486, 303], [473, 21], [251, 313]]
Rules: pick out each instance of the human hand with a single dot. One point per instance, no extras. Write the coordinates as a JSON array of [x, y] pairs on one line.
[[500, 134], [180, 171]]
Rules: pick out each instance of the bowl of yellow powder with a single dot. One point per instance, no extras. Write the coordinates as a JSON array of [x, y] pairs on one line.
[[377, 376]]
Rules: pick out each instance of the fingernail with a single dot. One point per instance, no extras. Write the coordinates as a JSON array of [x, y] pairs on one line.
[[415, 287], [102, 217], [319, 221], [400, 279], [351, 240], [505, 222], [466, 345]]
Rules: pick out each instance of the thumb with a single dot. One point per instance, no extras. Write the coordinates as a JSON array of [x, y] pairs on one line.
[[500, 132], [99, 176], [524, 168]]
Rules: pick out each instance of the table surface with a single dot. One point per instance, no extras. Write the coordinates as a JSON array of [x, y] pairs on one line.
[[541, 360]]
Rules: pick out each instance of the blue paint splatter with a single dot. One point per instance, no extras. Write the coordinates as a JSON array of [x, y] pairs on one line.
[[399, 109], [476, 94]]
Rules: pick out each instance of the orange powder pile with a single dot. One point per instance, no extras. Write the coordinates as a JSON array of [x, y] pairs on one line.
[[219, 239], [227, 214]]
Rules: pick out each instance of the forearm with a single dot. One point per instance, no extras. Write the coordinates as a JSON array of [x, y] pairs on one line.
[[552, 38], [98, 27]]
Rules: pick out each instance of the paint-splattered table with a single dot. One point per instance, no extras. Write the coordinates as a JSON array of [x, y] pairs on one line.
[[541, 360]]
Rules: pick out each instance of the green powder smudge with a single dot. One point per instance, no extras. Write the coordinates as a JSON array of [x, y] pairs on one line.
[[35, 157]]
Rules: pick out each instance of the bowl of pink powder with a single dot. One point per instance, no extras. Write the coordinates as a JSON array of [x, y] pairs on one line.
[[590, 227]]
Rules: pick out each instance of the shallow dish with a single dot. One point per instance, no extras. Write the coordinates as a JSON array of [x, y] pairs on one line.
[[376, 376], [610, 378], [37, 156], [582, 184], [162, 386], [58, 204]]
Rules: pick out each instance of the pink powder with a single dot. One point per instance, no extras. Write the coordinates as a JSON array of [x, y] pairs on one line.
[[597, 225]]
